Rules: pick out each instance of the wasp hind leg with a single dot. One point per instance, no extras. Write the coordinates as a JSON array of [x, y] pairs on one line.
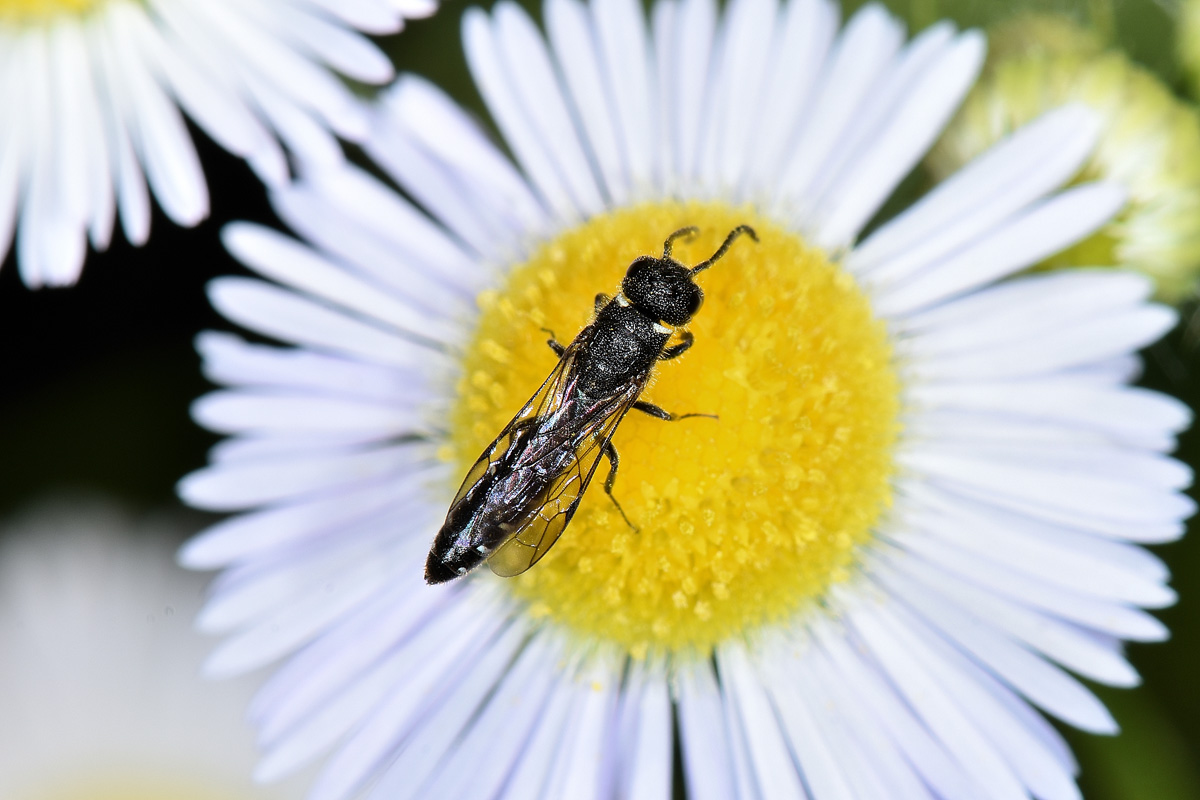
[[610, 453], [663, 414]]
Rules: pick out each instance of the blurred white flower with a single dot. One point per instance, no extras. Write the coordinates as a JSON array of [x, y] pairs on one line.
[[100, 690], [92, 92], [918, 511]]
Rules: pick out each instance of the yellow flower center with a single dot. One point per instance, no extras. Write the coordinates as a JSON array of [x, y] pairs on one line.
[[742, 520], [34, 10]]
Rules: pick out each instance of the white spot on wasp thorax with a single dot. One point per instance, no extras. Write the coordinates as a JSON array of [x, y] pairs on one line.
[[622, 301], [659, 328]]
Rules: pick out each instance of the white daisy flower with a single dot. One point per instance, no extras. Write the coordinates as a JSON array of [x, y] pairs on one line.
[[918, 512], [100, 681], [92, 92]]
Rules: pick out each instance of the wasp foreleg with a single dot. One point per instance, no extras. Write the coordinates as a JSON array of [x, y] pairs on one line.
[[684, 345], [610, 453]]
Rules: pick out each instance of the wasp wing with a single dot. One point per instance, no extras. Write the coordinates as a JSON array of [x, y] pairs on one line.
[[554, 507], [546, 400]]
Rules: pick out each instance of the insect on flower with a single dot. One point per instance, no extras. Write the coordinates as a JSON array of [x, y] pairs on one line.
[[521, 493]]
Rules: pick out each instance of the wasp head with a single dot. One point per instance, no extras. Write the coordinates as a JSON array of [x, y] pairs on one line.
[[662, 289], [666, 290]]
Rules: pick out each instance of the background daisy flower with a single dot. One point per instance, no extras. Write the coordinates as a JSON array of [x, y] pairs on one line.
[[1150, 143], [93, 90], [918, 513], [99, 680]]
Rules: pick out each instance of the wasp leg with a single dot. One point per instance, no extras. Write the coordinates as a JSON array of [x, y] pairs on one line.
[[678, 349], [610, 452], [601, 301], [663, 414], [554, 343]]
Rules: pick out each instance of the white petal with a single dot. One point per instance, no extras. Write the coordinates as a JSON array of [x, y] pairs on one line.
[[1124, 412], [583, 762], [289, 262], [414, 731], [217, 109], [345, 51], [380, 211], [899, 144], [624, 51], [707, 771], [524, 52], [230, 360], [70, 97], [800, 48], [1023, 307], [1019, 587], [233, 488], [1055, 554], [528, 144], [888, 97], [255, 535], [928, 756], [1148, 470], [476, 768], [1039, 231], [649, 748], [664, 23], [572, 39], [821, 768], [685, 87], [368, 16], [433, 292], [966, 683], [291, 77], [282, 414], [404, 616], [770, 760], [545, 746], [172, 166], [1044, 684], [1072, 648], [1090, 495], [442, 158], [275, 312], [838, 706], [423, 659], [1081, 343], [1019, 170], [735, 100], [866, 45], [897, 653]]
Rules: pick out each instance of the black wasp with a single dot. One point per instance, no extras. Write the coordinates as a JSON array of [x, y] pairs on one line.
[[524, 489]]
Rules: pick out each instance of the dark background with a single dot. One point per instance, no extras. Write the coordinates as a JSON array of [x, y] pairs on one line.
[[97, 381]]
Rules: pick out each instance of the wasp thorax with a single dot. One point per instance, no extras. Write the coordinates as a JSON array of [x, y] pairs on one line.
[[662, 289]]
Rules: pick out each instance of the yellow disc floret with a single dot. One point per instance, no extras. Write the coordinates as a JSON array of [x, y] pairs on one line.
[[741, 520], [18, 11]]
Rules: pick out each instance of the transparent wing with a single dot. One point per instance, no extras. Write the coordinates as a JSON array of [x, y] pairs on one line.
[[545, 401], [553, 508]]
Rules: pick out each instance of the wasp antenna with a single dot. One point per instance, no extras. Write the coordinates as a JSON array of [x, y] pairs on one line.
[[736, 232], [687, 233]]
